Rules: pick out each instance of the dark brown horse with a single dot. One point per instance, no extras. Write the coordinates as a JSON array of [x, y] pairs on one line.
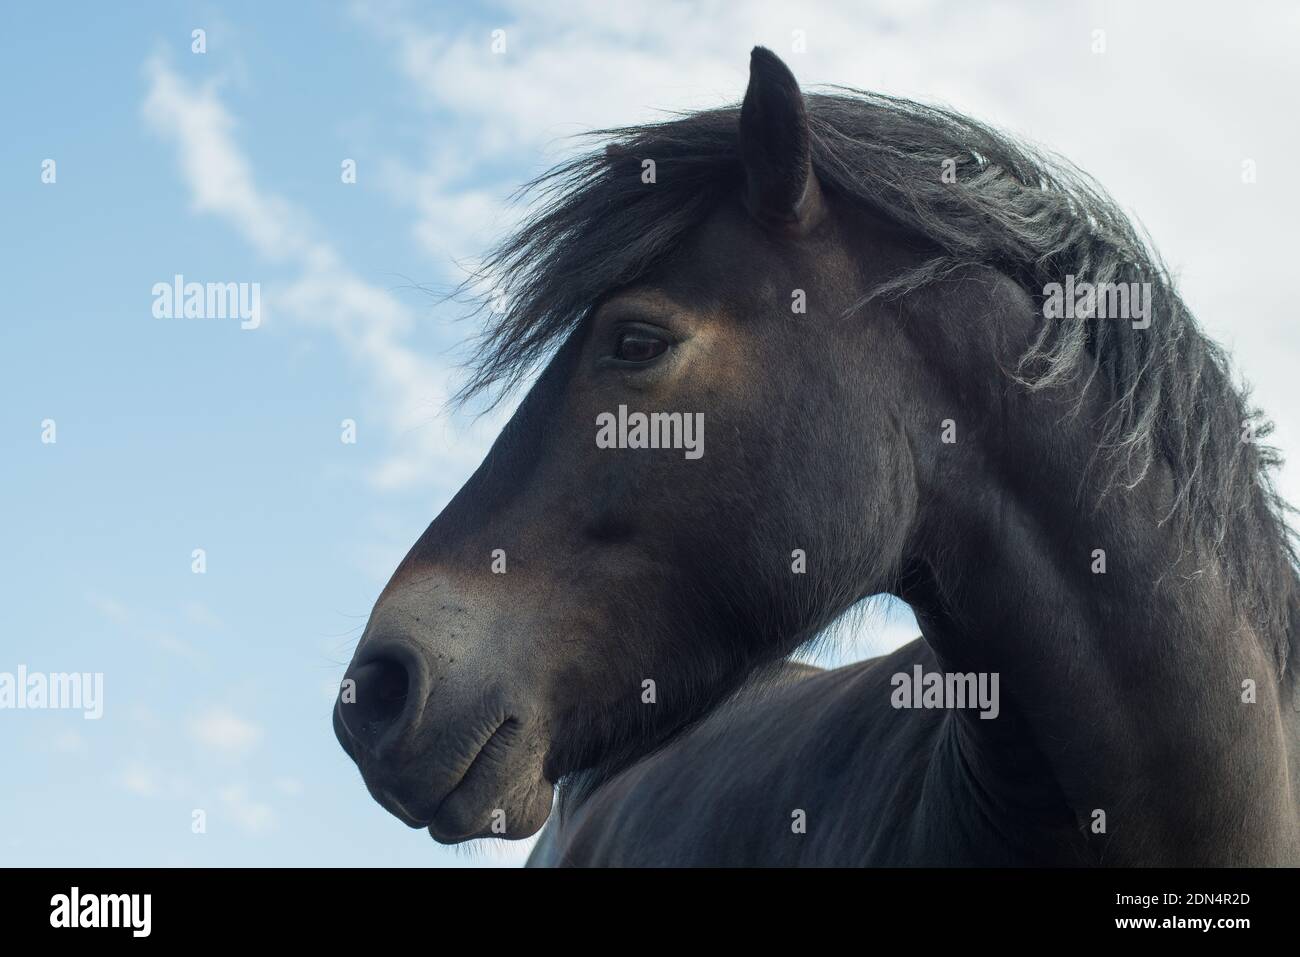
[[801, 353]]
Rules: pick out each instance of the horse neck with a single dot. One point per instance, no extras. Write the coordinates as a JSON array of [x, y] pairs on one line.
[[1133, 678]]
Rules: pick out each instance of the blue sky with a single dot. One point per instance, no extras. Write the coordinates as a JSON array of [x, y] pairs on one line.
[[224, 166]]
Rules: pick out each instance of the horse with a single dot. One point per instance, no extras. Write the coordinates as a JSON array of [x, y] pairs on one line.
[[857, 298]]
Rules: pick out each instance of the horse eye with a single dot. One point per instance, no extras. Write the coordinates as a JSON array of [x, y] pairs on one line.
[[639, 347]]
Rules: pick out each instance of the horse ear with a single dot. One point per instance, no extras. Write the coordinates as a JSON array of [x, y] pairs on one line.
[[776, 147]]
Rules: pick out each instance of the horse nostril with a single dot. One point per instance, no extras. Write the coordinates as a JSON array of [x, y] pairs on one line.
[[379, 698]]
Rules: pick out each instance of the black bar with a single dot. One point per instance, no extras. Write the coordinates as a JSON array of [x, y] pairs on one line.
[[366, 906]]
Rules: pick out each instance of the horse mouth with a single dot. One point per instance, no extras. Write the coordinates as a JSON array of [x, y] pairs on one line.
[[455, 818]]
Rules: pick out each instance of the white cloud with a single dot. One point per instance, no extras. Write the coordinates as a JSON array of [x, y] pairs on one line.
[[140, 781], [224, 731], [197, 613], [407, 390], [111, 609], [219, 176], [250, 815], [144, 780], [119, 615]]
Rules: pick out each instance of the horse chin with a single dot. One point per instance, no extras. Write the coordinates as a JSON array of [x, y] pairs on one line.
[[505, 792], [465, 814]]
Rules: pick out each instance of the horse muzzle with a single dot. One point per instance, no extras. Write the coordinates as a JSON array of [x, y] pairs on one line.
[[442, 739]]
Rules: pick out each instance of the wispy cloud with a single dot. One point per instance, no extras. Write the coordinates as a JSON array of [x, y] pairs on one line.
[[225, 732], [249, 814], [219, 176], [148, 781], [407, 392], [145, 626]]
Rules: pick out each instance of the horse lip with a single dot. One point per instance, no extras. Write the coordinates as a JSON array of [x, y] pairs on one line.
[[478, 754]]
